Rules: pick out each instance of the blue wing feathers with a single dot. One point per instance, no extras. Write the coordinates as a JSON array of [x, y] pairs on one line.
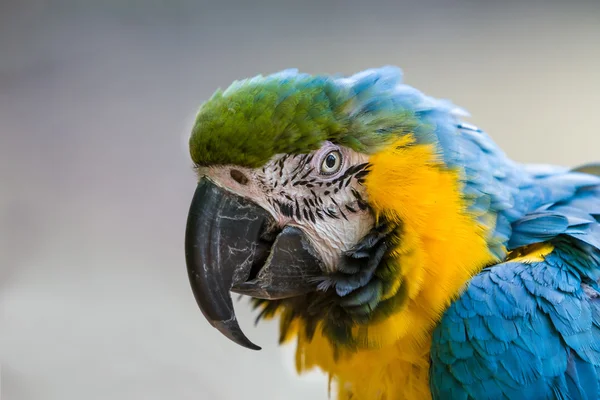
[[530, 331]]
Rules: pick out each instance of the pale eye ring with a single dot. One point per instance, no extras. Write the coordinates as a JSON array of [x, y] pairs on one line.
[[332, 162]]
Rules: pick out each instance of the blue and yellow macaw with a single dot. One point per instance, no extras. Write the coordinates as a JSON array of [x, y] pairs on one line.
[[399, 247]]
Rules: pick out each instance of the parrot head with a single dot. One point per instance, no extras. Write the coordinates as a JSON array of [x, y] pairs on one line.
[[335, 201]]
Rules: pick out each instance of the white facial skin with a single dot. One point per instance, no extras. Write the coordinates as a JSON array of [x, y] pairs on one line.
[[320, 193]]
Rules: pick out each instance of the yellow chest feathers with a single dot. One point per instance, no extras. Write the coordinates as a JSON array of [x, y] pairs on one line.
[[398, 371], [441, 248]]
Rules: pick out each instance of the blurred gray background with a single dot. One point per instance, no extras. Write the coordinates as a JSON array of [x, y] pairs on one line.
[[96, 99]]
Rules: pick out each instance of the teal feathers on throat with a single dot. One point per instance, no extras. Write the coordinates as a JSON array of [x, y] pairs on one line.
[[293, 113]]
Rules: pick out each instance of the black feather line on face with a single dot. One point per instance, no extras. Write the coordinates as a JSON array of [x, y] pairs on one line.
[[319, 214], [302, 163], [361, 174], [309, 159], [307, 174], [334, 202], [356, 195], [330, 214], [294, 177], [312, 216], [298, 215]]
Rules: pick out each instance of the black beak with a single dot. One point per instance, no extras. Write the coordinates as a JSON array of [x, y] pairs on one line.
[[227, 248]]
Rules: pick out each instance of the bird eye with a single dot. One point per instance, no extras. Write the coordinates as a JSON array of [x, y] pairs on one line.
[[331, 163]]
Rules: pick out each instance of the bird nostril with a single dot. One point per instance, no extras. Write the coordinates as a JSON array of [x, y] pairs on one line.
[[239, 177]]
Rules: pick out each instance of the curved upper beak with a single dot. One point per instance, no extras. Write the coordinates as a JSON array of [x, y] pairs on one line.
[[227, 249]]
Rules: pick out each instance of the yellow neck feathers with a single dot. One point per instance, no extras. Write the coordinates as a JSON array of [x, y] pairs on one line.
[[441, 248]]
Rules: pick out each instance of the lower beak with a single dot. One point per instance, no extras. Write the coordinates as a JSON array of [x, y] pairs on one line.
[[227, 249]]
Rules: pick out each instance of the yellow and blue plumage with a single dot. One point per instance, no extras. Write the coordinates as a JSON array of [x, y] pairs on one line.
[[433, 266]]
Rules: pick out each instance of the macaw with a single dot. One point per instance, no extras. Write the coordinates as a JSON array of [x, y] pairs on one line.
[[399, 247]]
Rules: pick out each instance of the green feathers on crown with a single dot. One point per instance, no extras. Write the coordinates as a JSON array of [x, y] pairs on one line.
[[293, 113]]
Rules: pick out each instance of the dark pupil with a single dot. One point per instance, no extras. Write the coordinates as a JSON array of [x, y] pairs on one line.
[[330, 161]]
